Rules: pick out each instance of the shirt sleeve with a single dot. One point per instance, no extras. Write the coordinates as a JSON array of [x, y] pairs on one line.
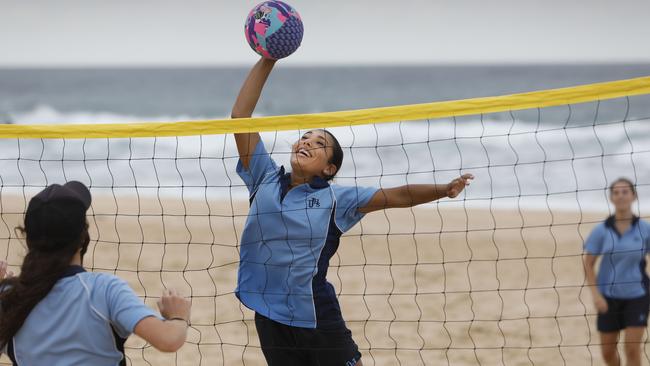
[[594, 242], [259, 165], [348, 202], [125, 308]]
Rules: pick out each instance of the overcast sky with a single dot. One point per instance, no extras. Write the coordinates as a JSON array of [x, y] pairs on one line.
[[210, 32]]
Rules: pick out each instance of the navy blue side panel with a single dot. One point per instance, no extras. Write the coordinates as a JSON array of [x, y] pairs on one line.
[[11, 353], [119, 344], [644, 276], [285, 182], [328, 310]]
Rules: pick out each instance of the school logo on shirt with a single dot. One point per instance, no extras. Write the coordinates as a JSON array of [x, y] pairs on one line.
[[313, 202]]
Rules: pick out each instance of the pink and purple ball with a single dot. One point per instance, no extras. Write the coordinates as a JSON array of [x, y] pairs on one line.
[[274, 29]]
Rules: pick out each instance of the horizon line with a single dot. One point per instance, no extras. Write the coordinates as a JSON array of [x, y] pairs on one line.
[[327, 65]]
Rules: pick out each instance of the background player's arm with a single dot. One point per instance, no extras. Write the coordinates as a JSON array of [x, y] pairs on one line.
[[167, 335], [245, 105], [415, 194], [589, 262]]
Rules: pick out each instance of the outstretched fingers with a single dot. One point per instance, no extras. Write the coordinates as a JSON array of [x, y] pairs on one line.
[[467, 178], [458, 185]]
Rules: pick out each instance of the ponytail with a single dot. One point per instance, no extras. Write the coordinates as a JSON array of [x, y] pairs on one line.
[[45, 263]]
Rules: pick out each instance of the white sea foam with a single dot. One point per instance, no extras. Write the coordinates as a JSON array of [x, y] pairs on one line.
[[45, 114]]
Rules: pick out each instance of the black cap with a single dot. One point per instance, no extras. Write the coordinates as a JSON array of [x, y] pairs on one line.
[[58, 212]]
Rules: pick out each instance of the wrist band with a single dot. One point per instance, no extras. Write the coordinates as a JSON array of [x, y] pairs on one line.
[[181, 319]]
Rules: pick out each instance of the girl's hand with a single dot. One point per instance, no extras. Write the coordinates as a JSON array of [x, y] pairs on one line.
[[4, 273], [600, 303], [457, 185], [173, 305]]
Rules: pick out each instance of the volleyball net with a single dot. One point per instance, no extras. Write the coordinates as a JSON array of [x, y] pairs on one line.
[[492, 277]]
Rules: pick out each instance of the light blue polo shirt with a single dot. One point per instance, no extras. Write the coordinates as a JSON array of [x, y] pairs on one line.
[[84, 320], [288, 240], [622, 273]]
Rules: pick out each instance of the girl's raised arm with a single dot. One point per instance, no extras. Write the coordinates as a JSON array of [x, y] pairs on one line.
[[245, 105]]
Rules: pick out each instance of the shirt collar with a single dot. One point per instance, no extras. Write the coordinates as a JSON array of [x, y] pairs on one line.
[[316, 182], [72, 270], [609, 223], [612, 220]]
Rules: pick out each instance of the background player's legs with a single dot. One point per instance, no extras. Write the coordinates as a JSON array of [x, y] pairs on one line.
[[633, 338], [608, 347]]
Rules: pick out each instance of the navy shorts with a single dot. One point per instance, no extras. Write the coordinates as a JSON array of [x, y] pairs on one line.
[[288, 346], [623, 313]]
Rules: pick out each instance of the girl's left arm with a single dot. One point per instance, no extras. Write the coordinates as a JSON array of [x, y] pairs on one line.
[[415, 194]]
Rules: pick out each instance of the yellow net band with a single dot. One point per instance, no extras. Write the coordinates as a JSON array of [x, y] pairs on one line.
[[476, 106]]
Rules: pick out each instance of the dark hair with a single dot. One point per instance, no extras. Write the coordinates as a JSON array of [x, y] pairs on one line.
[[623, 180], [46, 261], [337, 155]]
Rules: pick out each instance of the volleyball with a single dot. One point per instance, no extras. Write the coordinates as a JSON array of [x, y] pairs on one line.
[[274, 29]]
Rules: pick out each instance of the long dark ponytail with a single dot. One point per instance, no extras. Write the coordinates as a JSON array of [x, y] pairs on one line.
[[46, 262]]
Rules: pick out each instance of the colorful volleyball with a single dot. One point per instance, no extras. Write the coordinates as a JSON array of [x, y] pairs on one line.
[[274, 29]]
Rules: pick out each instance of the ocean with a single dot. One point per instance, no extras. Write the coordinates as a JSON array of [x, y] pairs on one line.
[[554, 158]]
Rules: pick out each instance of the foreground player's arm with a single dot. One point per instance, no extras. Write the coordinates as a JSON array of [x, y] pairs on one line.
[[245, 105], [589, 261], [167, 335], [415, 194]]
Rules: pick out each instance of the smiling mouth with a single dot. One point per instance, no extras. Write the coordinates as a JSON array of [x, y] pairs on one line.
[[303, 152]]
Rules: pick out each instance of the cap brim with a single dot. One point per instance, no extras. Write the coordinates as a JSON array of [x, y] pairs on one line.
[[80, 191]]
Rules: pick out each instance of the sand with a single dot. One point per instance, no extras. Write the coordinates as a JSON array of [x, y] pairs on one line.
[[435, 285]]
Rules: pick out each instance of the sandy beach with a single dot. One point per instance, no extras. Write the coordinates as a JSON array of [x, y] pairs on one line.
[[435, 285]]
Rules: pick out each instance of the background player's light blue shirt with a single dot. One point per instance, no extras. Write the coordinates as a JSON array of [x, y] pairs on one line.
[[80, 322], [285, 236], [622, 273]]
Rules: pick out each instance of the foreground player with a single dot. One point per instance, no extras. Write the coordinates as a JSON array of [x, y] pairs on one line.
[[620, 291], [293, 229], [56, 313]]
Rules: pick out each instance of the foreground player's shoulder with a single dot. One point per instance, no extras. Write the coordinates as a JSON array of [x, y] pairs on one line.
[[97, 281], [99, 277]]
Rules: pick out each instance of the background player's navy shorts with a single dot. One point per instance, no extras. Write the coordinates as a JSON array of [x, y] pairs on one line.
[[623, 313], [288, 346]]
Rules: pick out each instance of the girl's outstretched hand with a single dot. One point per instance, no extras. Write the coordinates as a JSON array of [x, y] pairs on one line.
[[457, 185]]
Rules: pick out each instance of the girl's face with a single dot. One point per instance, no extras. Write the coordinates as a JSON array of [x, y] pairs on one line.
[[622, 196], [311, 155]]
